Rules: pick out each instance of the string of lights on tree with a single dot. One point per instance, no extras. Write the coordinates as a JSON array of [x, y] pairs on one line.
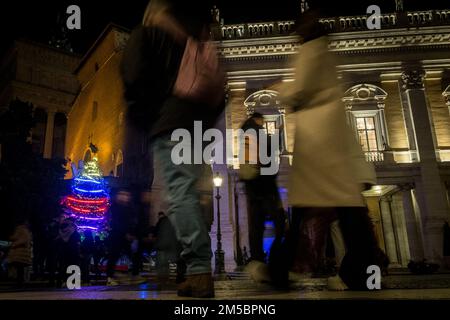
[[89, 201]]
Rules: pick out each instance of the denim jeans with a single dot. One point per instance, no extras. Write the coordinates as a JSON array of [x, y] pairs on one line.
[[184, 206]]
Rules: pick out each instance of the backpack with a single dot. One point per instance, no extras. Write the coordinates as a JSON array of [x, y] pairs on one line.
[[200, 77]]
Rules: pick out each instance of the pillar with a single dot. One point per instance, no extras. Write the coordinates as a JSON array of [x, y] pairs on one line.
[[388, 231], [413, 225], [399, 226], [434, 206]]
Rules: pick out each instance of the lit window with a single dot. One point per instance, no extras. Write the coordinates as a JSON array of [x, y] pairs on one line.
[[270, 127], [367, 133]]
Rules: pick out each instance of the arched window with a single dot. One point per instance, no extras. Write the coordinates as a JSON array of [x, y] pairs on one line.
[[267, 103], [364, 104]]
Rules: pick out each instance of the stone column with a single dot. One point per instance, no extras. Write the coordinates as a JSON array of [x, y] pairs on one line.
[[282, 112], [388, 231], [48, 146], [399, 226], [434, 207], [413, 225]]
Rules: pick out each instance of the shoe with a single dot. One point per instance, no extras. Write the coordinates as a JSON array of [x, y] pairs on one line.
[[197, 286], [336, 284], [112, 282], [259, 271]]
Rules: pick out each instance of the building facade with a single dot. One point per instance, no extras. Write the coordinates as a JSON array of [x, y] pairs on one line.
[[397, 98], [41, 75]]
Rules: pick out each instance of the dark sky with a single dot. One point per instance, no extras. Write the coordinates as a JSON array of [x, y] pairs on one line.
[[36, 19]]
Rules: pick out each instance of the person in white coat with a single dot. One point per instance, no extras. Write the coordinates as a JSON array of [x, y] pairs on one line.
[[328, 169]]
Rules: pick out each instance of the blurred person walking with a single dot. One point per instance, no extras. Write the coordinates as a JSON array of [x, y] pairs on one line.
[[329, 170], [171, 79]]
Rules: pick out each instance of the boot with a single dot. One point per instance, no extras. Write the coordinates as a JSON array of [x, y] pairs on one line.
[[197, 286]]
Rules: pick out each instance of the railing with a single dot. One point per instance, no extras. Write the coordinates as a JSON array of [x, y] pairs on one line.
[[374, 156], [257, 30], [336, 24]]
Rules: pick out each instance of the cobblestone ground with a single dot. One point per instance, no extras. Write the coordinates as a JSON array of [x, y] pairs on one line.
[[241, 288]]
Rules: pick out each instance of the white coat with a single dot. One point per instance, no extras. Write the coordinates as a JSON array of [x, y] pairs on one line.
[[328, 167]]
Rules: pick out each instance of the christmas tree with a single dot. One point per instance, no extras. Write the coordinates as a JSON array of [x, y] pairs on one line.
[[89, 201]]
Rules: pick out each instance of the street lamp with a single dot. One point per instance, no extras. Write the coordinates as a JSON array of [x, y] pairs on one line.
[[238, 258], [219, 254]]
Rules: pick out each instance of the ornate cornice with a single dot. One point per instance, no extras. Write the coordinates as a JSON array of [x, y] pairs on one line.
[[267, 48], [393, 20], [341, 43], [396, 40]]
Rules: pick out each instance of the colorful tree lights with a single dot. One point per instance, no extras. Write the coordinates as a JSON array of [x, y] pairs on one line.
[[89, 201]]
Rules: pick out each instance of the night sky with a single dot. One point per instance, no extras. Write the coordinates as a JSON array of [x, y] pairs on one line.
[[36, 19]]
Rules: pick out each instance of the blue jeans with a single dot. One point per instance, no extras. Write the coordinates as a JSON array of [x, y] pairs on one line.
[[184, 206]]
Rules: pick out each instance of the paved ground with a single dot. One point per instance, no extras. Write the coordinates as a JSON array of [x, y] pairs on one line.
[[403, 287]]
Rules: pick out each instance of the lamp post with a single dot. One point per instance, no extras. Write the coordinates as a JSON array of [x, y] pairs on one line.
[[239, 257], [219, 254]]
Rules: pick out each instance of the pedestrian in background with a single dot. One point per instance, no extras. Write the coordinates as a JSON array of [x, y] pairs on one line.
[[19, 255], [69, 249], [87, 252], [122, 234], [263, 203]]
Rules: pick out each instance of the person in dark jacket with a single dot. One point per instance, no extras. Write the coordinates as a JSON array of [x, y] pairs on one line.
[[99, 253], [150, 67], [123, 225], [263, 202], [19, 255]]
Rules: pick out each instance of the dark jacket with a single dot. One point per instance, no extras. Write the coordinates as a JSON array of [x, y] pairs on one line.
[[251, 124], [149, 69]]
